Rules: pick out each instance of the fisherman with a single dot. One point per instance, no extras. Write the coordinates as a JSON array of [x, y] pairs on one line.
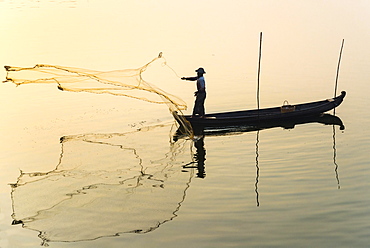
[[200, 94]]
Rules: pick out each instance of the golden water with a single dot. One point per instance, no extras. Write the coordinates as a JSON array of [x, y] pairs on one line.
[[74, 163]]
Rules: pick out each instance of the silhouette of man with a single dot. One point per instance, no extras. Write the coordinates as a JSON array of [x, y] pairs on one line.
[[200, 94]]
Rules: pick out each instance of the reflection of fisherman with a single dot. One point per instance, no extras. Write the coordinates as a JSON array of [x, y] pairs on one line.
[[199, 158], [200, 93]]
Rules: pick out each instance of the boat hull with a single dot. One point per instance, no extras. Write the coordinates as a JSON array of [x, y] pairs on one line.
[[253, 117]]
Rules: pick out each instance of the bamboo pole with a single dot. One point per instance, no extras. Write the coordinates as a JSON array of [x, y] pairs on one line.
[[336, 78], [258, 74]]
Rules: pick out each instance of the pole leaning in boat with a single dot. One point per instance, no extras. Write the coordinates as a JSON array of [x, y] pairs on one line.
[[258, 72], [336, 78]]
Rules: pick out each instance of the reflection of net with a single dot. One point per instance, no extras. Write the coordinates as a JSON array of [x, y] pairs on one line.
[[128, 82], [104, 185]]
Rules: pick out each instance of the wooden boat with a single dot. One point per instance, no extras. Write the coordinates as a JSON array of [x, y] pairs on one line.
[[256, 116]]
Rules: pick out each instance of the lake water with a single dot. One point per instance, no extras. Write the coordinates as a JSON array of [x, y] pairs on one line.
[[96, 170]]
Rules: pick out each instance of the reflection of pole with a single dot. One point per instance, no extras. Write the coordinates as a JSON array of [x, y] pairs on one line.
[[257, 169], [335, 157]]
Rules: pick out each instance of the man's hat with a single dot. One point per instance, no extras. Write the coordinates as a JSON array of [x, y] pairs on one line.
[[201, 70]]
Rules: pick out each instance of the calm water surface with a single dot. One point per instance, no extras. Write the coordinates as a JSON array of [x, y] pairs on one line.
[[86, 170]]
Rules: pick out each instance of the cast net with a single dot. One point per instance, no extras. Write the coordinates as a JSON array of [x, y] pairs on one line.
[[126, 82]]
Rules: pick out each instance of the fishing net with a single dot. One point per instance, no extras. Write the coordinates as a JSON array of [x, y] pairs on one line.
[[104, 185], [126, 82]]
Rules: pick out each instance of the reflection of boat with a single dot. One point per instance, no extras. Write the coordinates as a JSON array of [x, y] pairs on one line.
[[326, 119], [104, 185], [200, 133], [248, 117]]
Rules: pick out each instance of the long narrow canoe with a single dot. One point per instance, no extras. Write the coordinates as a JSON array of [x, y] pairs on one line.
[[253, 117]]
